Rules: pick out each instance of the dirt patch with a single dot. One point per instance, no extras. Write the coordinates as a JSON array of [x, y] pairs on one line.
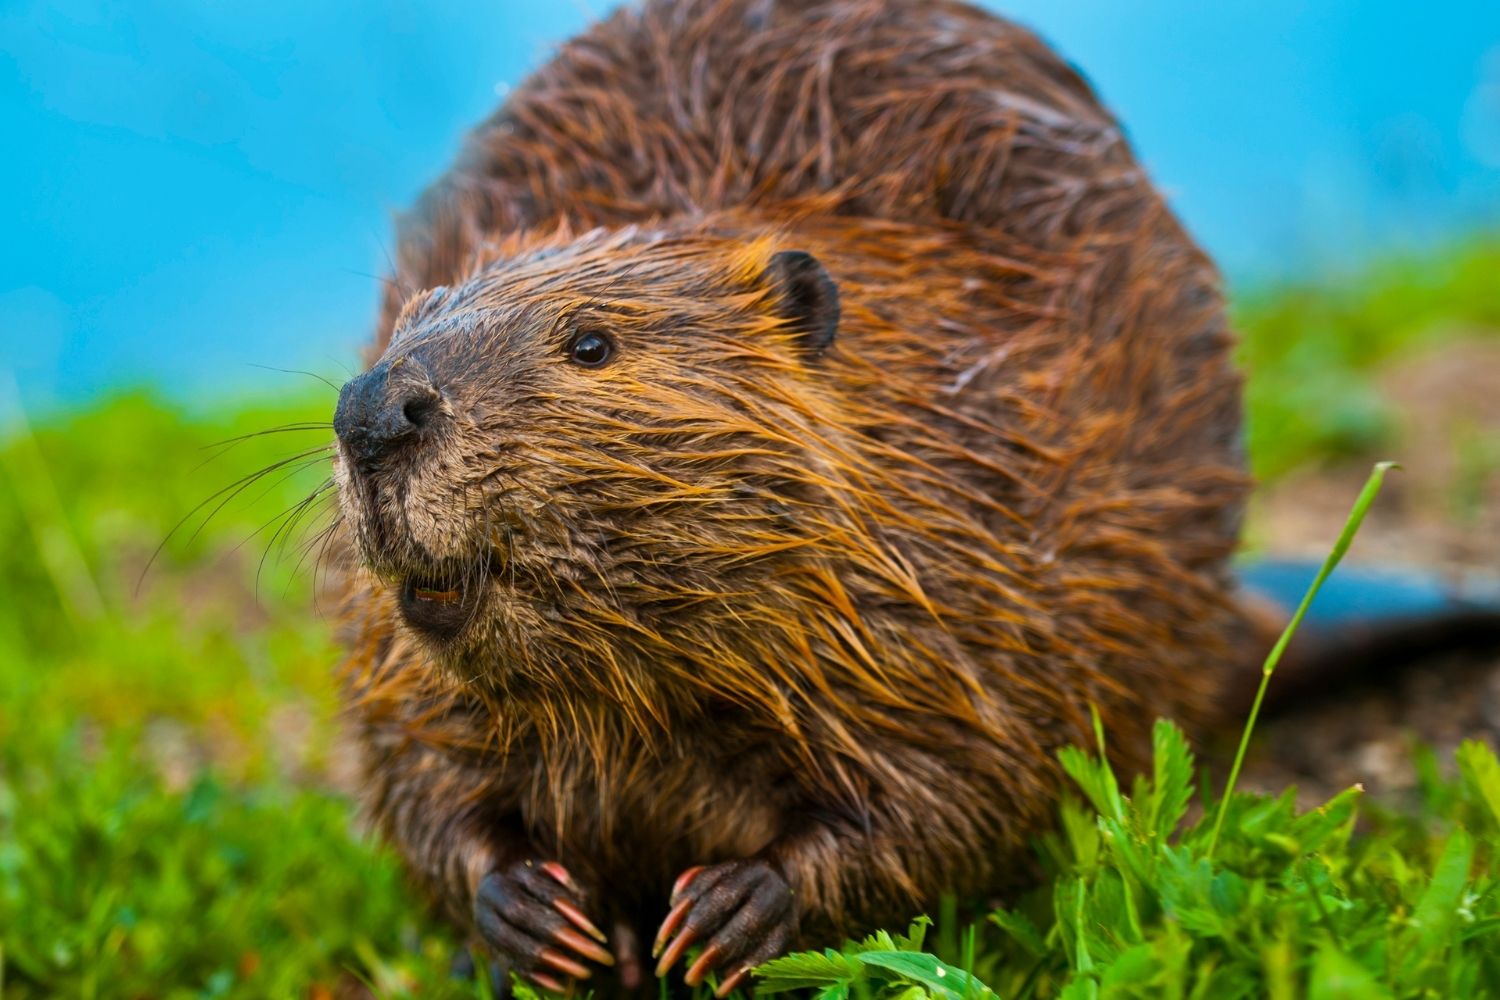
[[1441, 513]]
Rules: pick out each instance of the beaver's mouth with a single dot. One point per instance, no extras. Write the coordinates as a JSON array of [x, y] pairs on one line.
[[441, 604]]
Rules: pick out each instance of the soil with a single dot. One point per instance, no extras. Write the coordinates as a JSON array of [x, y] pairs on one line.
[[1440, 513]]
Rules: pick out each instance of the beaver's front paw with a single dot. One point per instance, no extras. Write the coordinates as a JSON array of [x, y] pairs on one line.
[[742, 913], [531, 914]]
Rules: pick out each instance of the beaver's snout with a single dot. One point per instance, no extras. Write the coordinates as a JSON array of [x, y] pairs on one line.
[[387, 420], [391, 406]]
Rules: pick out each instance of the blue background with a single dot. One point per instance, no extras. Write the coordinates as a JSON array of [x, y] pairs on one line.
[[189, 190]]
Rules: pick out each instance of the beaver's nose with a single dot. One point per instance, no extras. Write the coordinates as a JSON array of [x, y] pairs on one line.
[[388, 406]]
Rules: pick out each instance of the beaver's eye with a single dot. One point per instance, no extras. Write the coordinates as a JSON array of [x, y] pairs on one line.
[[591, 350]]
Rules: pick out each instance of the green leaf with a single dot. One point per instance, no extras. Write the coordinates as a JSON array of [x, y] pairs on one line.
[[1314, 829], [1437, 912], [1227, 894], [806, 970], [1081, 834], [1336, 976], [1096, 780], [1187, 892], [938, 977], [1081, 989], [1069, 896], [1171, 779], [1481, 773], [916, 933], [1021, 929], [1132, 966]]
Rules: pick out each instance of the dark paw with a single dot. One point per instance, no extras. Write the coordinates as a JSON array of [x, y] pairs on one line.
[[741, 912], [531, 915]]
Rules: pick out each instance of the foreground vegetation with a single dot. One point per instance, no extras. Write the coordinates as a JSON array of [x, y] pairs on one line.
[[170, 823], [1141, 904]]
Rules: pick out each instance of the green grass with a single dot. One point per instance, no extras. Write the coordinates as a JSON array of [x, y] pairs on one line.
[[1312, 349], [167, 827], [1139, 904]]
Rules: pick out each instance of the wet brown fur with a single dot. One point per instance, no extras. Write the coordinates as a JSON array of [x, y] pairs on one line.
[[742, 595]]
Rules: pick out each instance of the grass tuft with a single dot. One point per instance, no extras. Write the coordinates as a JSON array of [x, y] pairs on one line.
[[1145, 902]]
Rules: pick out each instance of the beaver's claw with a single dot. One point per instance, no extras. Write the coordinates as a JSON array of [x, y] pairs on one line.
[[529, 913], [740, 911]]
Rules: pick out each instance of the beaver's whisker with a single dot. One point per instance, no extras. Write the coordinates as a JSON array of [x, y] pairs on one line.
[[384, 279], [322, 540], [306, 544], [290, 474], [311, 532], [228, 444], [228, 494], [306, 516], [284, 532], [297, 371], [281, 521]]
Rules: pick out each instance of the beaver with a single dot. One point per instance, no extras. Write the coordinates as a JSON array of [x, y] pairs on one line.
[[786, 422]]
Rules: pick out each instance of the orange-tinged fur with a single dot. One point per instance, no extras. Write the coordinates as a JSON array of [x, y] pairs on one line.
[[738, 594]]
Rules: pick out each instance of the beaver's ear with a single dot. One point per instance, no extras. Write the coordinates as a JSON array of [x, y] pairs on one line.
[[806, 297]]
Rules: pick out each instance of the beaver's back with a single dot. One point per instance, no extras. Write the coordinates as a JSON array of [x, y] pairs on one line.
[[900, 109]]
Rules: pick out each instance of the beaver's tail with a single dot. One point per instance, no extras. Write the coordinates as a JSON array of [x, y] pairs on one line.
[[1364, 623]]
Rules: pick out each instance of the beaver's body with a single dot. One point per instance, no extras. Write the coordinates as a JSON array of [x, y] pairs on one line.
[[737, 593]]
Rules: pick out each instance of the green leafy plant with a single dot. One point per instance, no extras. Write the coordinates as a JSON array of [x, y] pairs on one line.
[[882, 965], [1143, 903]]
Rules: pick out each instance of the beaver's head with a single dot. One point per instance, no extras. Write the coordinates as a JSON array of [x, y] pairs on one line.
[[587, 439]]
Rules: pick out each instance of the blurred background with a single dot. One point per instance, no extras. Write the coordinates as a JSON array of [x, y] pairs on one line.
[[196, 199]]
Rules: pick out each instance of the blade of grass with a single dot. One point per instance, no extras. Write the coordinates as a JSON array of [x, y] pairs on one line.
[[1346, 536]]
